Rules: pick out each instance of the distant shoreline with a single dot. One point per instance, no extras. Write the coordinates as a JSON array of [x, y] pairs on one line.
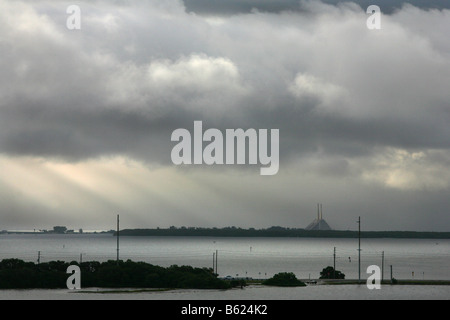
[[51, 232], [272, 232], [281, 232]]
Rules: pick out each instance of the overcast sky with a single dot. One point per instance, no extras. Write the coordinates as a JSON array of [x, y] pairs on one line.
[[86, 115]]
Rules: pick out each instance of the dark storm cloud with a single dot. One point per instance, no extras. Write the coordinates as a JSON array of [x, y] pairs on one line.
[[93, 100], [85, 100], [221, 7], [79, 135]]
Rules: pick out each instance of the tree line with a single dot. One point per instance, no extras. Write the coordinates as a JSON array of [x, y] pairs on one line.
[[277, 231], [18, 274]]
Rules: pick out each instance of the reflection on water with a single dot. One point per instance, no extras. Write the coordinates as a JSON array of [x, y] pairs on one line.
[[318, 292]]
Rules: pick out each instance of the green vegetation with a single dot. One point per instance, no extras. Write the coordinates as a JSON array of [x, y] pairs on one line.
[[17, 274], [284, 279], [330, 273], [238, 283], [279, 232]]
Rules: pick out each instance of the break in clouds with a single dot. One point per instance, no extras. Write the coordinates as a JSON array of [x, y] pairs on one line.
[[86, 116]]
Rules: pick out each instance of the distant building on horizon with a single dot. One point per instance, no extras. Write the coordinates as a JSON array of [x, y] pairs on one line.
[[59, 229], [319, 223]]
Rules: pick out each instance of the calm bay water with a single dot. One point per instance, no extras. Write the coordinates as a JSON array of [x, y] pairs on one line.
[[313, 292], [243, 257], [248, 257]]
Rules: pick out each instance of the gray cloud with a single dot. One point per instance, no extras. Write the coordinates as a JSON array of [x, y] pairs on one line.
[[369, 108]]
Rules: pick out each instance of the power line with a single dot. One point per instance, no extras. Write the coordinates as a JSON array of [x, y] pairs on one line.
[[334, 263], [117, 238]]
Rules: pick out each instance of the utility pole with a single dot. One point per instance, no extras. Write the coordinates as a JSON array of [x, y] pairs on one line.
[[39, 257], [391, 274], [359, 248], [216, 263], [382, 266], [334, 263], [117, 239]]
